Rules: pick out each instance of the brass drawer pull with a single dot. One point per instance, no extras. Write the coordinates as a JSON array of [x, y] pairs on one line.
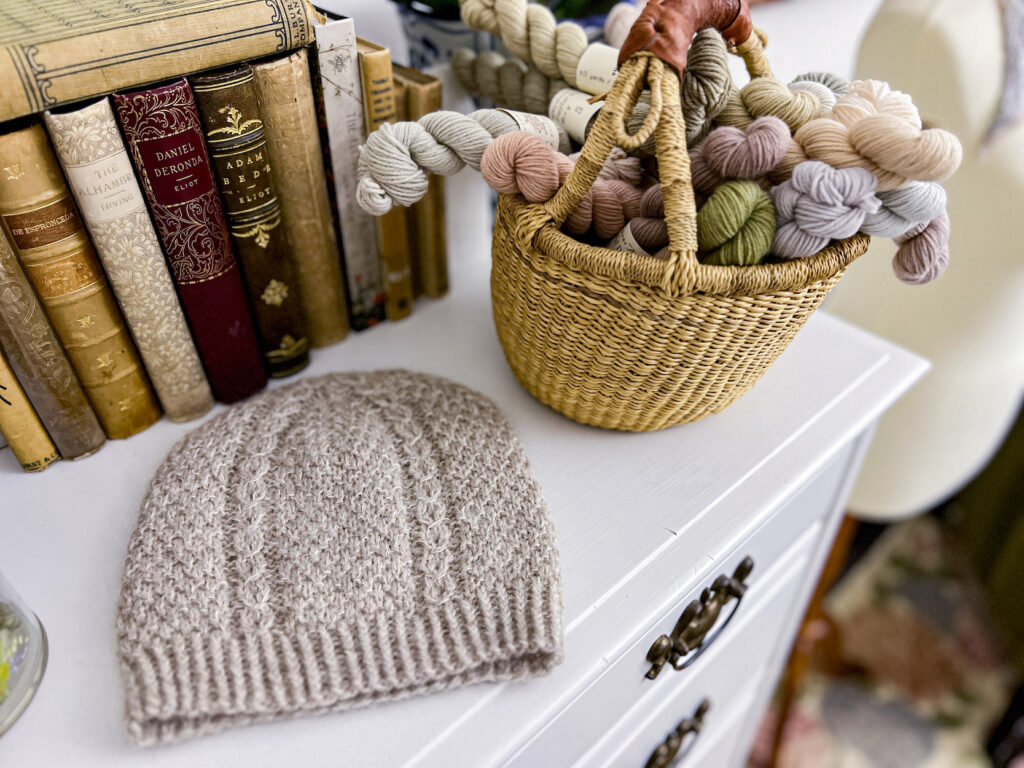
[[689, 637], [666, 752]]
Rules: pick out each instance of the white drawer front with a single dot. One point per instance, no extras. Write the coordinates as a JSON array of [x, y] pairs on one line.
[[623, 684], [729, 676]]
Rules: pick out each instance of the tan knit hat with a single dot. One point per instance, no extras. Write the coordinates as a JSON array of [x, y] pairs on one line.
[[344, 540]]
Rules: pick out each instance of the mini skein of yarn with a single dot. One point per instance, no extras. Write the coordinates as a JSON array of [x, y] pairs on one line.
[[619, 20], [648, 227], [531, 33], [875, 128], [818, 204], [736, 225], [521, 163], [507, 82], [397, 157], [738, 153], [923, 252], [915, 202], [838, 85], [795, 104]]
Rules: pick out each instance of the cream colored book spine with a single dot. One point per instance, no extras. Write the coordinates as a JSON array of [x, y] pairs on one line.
[[379, 107], [104, 184], [293, 139], [20, 424]]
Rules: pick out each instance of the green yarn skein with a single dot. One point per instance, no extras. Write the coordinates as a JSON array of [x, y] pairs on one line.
[[736, 225]]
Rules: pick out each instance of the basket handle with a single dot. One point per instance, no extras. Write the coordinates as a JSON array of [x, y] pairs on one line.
[[666, 27], [676, 275]]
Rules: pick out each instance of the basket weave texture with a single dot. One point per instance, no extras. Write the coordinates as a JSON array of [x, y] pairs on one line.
[[631, 342]]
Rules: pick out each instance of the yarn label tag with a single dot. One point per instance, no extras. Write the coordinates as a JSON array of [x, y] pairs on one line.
[[538, 125], [571, 110], [597, 68], [624, 241]]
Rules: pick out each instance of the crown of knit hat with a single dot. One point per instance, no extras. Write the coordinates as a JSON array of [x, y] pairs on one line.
[[344, 540]]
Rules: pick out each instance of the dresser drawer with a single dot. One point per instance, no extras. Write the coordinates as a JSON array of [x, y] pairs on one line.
[[780, 547], [729, 676]]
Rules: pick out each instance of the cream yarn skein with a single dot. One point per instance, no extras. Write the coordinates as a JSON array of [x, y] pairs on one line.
[[531, 33], [397, 157]]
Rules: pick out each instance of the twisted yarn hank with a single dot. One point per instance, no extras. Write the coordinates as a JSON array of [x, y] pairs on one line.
[[738, 153], [736, 225], [507, 82], [521, 163], [914, 203], [648, 227], [838, 85], [923, 252], [531, 33], [620, 20], [397, 157], [795, 104], [878, 129], [818, 204]]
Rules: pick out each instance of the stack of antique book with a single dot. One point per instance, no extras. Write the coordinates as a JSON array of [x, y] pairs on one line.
[[178, 207]]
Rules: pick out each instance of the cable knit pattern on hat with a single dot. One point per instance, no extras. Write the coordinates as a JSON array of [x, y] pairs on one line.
[[348, 539]]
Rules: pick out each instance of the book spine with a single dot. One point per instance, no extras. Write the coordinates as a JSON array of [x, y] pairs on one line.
[[40, 364], [21, 426], [232, 121], [293, 140], [100, 174], [46, 231], [393, 226], [427, 219], [165, 140], [342, 95], [48, 62]]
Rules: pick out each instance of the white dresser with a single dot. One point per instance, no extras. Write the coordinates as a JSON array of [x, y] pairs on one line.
[[644, 523]]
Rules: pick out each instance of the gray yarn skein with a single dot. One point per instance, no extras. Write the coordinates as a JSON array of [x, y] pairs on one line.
[[914, 203], [820, 203], [397, 157], [838, 85]]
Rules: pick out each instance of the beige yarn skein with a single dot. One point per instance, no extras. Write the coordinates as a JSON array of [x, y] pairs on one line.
[[877, 128]]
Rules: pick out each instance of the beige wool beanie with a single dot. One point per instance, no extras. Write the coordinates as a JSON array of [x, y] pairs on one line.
[[344, 540]]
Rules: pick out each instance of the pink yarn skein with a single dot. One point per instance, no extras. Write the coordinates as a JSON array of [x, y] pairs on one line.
[[522, 163]]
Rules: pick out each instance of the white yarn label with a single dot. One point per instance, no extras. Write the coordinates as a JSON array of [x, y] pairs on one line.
[[571, 110], [538, 125], [624, 241], [597, 68]]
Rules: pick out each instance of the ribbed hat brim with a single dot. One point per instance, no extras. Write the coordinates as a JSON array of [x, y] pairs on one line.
[[193, 684]]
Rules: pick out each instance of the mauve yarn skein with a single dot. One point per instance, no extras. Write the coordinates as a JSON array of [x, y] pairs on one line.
[[648, 227], [746, 153], [736, 226], [818, 204], [923, 252]]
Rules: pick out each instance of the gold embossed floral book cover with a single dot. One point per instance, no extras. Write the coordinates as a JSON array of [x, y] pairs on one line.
[[61, 51]]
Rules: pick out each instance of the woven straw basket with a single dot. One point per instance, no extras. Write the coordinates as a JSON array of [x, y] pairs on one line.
[[625, 341]]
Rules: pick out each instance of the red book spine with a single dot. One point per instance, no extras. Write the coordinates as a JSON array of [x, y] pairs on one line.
[[165, 139]]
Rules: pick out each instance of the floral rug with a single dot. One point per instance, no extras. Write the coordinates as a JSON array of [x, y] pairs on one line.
[[932, 679]]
